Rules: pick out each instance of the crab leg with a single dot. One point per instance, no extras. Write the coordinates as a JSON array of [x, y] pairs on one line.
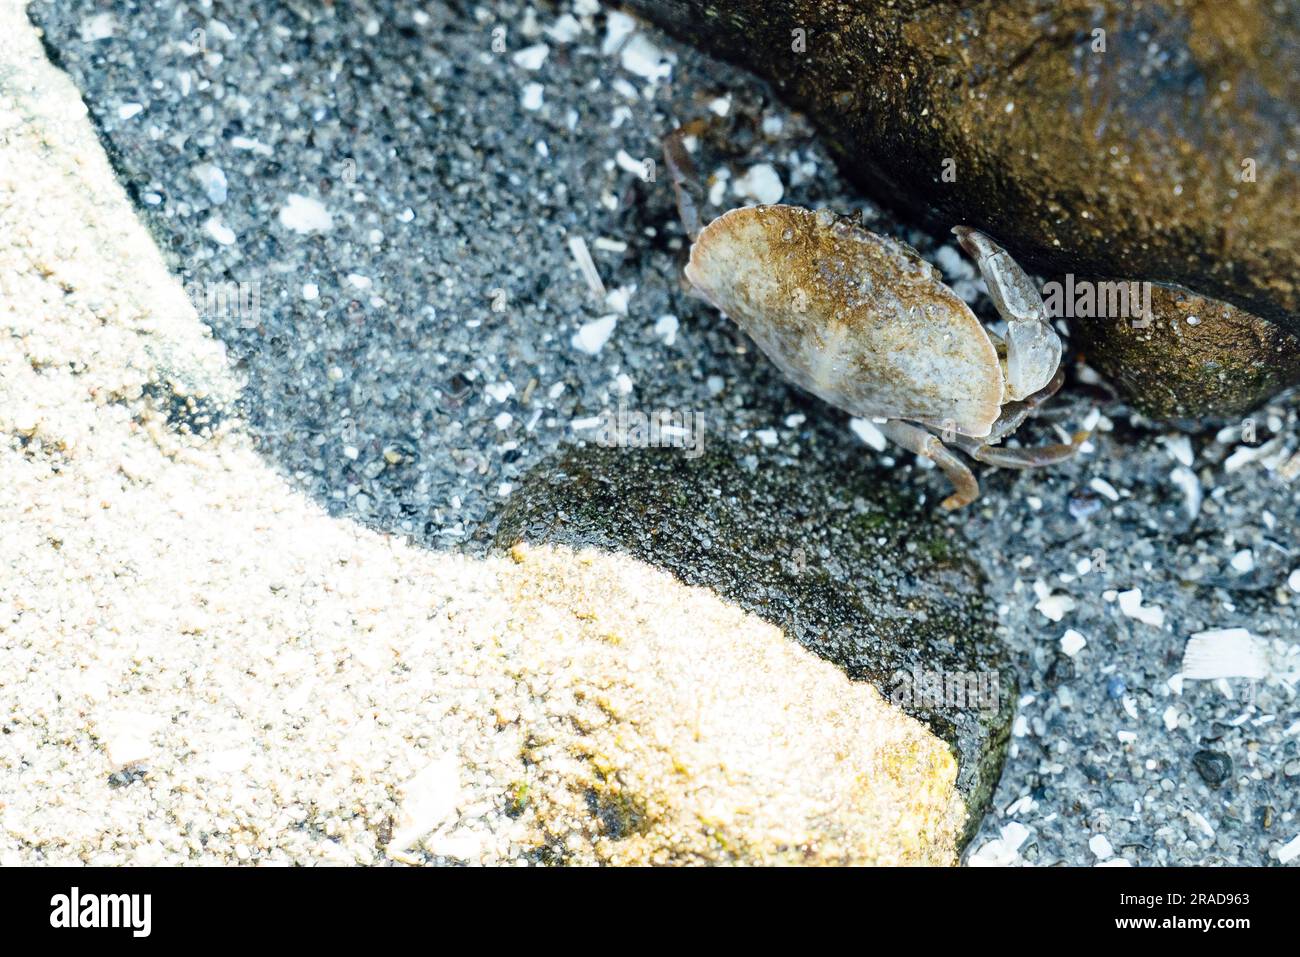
[[1030, 458], [965, 489], [681, 170], [1033, 347], [1015, 413]]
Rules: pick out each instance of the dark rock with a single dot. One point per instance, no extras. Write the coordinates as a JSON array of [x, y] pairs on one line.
[[1060, 671], [1214, 767], [1194, 357], [1160, 149], [838, 559]]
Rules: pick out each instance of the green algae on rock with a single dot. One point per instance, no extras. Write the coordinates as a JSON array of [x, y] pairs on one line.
[[1151, 141], [841, 562]]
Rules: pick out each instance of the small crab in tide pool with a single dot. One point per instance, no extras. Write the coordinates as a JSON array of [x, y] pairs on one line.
[[863, 322]]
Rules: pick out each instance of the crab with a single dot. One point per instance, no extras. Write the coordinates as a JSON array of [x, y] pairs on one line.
[[864, 323]]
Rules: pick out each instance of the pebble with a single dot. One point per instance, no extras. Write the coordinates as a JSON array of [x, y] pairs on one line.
[[427, 800], [1084, 504], [1243, 562], [1102, 487], [531, 58], [565, 29], [592, 336], [101, 26], [1100, 847], [1290, 851], [213, 181], [1170, 718], [1180, 447], [953, 263], [500, 391], [1004, 849], [219, 231], [628, 164], [618, 27], [251, 145], [25, 420], [1072, 642], [640, 56], [1185, 479], [867, 431], [1055, 606], [1213, 767], [126, 737], [531, 99], [1130, 603], [304, 215], [666, 329], [760, 183]]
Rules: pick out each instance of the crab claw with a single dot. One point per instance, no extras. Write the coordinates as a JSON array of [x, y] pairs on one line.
[[1033, 347]]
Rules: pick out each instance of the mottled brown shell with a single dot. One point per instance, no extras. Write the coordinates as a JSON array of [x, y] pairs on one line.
[[857, 319]]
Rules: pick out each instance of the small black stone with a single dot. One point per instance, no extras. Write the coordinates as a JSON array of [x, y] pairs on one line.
[[1213, 766], [458, 388], [125, 777], [1060, 671]]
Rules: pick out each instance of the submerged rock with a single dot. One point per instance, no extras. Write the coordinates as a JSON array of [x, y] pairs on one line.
[[1152, 141], [851, 572]]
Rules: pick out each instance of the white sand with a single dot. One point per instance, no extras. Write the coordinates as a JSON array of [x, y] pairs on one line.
[[199, 664]]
